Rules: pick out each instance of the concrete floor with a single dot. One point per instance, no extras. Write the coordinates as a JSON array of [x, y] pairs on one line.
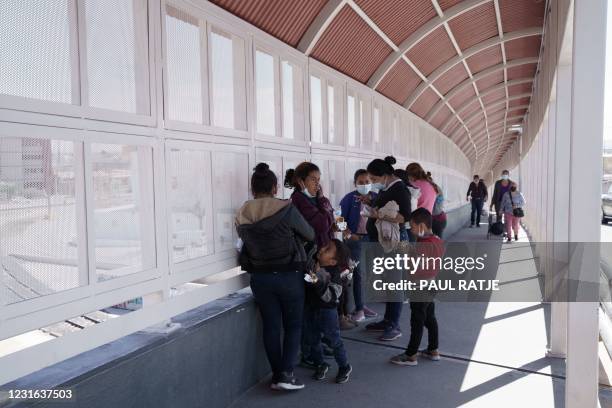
[[493, 356]]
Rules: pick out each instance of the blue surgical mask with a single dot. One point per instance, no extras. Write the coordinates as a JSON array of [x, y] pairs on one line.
[[505, 177], [364, 189], [378, 186]]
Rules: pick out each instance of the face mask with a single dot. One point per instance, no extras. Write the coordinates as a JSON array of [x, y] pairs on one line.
[[475, 181], [421, 234], [364, 189], [505, 177], [378, 186], [307, 193]]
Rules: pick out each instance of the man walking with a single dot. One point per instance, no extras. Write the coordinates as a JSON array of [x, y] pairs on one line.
[[478, 193]]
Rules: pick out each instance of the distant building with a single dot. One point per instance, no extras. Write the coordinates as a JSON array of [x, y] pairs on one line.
[[25, 165]]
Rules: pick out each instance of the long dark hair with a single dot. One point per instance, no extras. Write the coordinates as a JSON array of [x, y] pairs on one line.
[[379, 167], [292, 176], [263, 179]]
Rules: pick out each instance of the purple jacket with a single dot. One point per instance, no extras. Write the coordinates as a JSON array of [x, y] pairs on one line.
[[320, 216]]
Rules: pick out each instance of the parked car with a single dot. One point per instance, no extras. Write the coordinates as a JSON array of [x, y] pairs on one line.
[[606, 206]]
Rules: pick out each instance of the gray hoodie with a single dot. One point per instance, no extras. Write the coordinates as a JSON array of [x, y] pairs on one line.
[[273, 233]]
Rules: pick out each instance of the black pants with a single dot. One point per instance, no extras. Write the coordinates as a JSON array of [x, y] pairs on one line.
[[476, 210], [437, 227], [280, 297], [422, 314]]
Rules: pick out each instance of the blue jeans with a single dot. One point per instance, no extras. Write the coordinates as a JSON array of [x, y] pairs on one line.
[[355, 248], [323, 321], [280, 297], [393, 311]]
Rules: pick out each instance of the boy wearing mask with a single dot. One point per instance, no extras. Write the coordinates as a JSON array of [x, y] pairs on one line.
[[323, 291], [422, 307]]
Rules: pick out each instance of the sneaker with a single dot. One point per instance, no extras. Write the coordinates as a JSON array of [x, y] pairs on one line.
[[346, 324], [509, 240], [343, 374], [369, 313], [307, 362], [390, 335], [358, 316], [378, 326], [404, 359], [287, 382], [433, 355], [320, 372], [477, 225]]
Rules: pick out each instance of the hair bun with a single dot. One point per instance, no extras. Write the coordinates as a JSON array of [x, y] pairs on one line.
[[261, 167], [289, 176], [390, 160]]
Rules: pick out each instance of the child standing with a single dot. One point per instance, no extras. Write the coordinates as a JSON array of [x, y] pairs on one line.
[[422, 309], [323, 293]]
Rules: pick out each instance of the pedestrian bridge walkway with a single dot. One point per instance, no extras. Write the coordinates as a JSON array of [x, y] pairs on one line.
[[493, 354]]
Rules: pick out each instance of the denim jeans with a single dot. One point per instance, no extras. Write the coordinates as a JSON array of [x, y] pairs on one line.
[[393, 311], [355, 248], [422, 314], [476, 210], [280, 297], [324, 322]]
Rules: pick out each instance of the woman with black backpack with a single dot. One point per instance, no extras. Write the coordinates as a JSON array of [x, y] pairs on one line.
[[273, 233]]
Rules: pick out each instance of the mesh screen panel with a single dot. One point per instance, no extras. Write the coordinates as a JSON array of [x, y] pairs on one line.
[[35, 49], [123, 219], [183, 67], [190, 202], [38, 234], [117, 57]]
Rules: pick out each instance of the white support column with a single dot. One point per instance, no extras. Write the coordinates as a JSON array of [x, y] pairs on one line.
[[586, 144], [561, 155]]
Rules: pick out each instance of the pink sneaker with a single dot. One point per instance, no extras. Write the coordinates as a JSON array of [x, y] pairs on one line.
[[358, 316], [369, 313]]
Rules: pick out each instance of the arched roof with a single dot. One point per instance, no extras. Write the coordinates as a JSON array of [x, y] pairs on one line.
[[465, 66]]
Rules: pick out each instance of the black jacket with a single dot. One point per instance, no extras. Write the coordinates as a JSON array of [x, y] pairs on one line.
[[478, 190], [273, 234], [326, 292], [497, 194]]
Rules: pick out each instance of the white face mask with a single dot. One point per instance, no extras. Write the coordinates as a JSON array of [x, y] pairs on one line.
[[421, 233], [364, 189], [505, 177], [307, 193]]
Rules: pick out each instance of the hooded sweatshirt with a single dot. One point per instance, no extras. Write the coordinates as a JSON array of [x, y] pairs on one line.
[[273, 233]]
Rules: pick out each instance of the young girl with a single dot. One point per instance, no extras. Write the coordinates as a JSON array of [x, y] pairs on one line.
[[355, 234]]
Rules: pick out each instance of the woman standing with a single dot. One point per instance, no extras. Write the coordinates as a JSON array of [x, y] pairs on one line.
[[390, 188], [356, 233], [418, 178], [500, 188], [272, 232], [512, 203], [310, 201]]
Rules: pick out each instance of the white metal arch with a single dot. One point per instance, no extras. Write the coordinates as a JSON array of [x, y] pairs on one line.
[[418, 35], [500, 102], [491, 70], [466, 104], [319, 25], [444, 68]]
